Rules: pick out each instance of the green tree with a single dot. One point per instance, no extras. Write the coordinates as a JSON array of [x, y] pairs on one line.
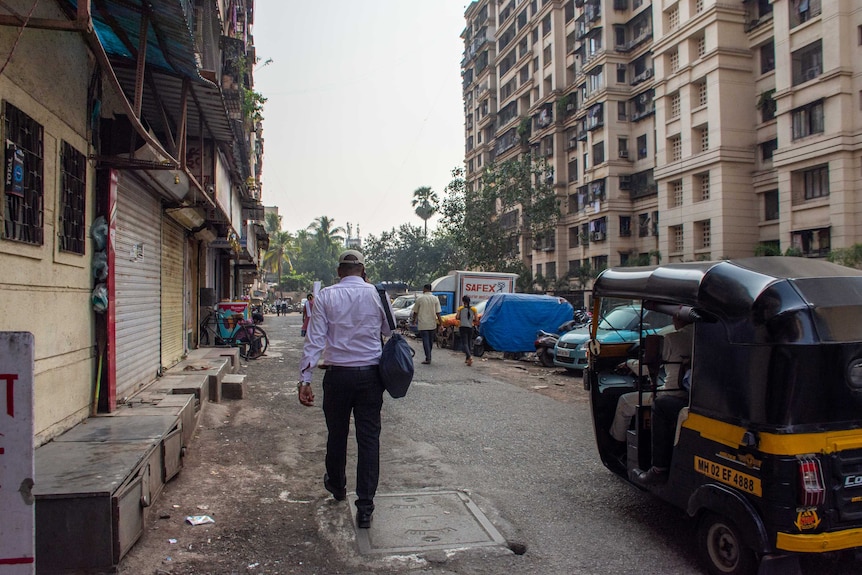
[[510, 202], [406, 255], [426, 203], [281, 247], [328, 237]]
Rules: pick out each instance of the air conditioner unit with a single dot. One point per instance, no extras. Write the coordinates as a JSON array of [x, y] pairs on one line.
[[625, 182], [812, 73], [598, 236], [624, 153]]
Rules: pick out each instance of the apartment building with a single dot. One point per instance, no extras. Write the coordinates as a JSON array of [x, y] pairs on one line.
[[678, 130]]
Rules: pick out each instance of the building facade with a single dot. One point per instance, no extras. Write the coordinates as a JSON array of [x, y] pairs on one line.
[[131, 193], [678, 130]]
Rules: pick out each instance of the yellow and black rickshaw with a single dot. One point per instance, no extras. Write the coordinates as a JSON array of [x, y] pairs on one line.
[[766, 452]]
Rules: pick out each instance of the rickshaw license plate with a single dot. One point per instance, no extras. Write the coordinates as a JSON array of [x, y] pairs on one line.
[[728, 475]]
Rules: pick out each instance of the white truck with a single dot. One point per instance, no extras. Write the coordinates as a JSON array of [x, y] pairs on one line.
[[450, 288]]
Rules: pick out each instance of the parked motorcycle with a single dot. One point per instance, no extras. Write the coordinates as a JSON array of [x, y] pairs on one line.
[[546, 341]]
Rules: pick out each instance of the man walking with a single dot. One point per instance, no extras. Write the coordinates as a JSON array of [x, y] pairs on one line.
[[426, 316], [345, 327]]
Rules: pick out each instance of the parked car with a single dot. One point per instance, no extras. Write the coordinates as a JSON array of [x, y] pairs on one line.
[[620, 325], [402, 306]]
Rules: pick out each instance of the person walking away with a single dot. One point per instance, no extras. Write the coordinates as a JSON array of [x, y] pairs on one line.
[[426, 316], [278, 307], [468, 319], [306, 312], [345, 330]]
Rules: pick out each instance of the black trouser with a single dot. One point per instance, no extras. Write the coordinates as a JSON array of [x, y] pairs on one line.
[[665, 412], [466, 334], [360, 392]]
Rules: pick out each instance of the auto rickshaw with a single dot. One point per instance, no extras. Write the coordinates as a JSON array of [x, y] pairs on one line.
[[767, 451]]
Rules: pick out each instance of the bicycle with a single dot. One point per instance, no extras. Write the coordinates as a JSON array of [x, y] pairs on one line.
[[229, 329]]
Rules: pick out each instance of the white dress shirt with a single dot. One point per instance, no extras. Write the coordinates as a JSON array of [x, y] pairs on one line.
[[346, 323]]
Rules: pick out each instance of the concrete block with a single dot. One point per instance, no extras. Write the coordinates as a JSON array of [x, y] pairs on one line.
[[196, 384], [229, 353], [214, 368], [233, 386]]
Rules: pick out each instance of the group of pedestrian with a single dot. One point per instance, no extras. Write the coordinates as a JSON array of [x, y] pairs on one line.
[[281, 306], [342, 327]]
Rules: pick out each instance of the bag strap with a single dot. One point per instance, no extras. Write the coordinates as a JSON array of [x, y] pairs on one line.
[[382, 294]]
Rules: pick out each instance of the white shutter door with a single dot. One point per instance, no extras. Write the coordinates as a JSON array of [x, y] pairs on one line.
[[137, 276], [173, 258]]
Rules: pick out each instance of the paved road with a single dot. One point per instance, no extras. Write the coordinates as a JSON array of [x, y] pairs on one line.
[[526, 459]]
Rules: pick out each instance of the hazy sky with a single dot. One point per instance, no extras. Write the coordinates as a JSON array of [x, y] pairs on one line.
[[364, 106]]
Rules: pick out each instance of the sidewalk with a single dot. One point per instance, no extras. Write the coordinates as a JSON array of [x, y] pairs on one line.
[[255, 468]]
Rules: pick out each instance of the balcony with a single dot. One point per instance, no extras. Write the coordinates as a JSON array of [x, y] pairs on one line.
[[643, 77]]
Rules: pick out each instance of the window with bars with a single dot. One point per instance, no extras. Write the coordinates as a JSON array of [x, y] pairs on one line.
[[675, 193], [815, 182], [674, 105], [703, 186], [23, 186], [677, 239], [704, 234], [807, 120], [73, 194], [802, 11], [673, 61], [807, 63], [700, 46], [675, 145], [702, 94], [702, 134], [673, 18]]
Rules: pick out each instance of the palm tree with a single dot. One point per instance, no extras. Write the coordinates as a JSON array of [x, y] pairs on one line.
[[272, 222], [328, 238], [426, 203], [281, 246]]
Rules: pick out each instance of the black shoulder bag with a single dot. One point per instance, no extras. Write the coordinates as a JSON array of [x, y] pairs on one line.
[[396, 361]]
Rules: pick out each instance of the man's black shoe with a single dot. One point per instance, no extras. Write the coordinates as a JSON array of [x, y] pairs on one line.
[[652, 476], [363, 518], [339, 494]]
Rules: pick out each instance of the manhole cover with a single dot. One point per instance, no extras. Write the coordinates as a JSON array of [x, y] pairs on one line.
[[410, 522]]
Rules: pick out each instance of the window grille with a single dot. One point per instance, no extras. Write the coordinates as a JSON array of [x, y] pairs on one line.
[[23, 186], [73, 194]]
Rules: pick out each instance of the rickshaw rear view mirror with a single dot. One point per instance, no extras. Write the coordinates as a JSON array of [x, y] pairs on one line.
[[854, 374]]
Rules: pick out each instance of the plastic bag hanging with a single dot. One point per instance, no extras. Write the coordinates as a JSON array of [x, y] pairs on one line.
[[100, 266], [99, 298], [99, 233]]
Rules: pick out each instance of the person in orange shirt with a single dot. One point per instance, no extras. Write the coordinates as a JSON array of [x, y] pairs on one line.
[[468, 319]]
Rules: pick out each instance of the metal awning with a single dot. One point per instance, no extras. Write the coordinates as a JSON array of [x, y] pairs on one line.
[[170, 58]]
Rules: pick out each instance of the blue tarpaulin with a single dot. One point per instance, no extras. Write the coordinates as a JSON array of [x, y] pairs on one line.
[[511, 320]]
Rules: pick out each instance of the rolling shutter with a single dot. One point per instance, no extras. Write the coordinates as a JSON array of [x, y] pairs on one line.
[[173, 266], [138, 271]]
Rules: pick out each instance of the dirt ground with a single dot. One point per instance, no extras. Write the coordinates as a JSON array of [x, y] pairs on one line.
[[256, 474]]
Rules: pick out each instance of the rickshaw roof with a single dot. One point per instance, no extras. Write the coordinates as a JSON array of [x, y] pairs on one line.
[[733, 288]]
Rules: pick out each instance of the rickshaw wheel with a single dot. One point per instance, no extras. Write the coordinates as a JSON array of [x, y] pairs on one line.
[[723, 549]]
